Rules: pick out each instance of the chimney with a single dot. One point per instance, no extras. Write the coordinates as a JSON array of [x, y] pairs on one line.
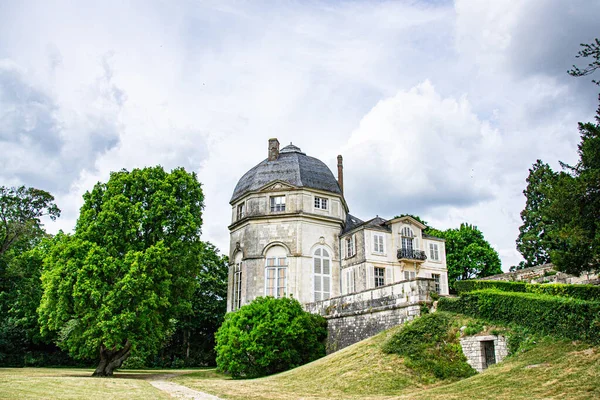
[[273, 149], [340, 174]]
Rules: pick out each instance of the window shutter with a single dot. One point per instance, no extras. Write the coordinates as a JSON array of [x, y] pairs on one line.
[[389, 272], [370, 277], [444, 283], [417, 244]]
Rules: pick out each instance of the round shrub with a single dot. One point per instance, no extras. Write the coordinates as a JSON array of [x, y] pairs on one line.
[[269, 336]]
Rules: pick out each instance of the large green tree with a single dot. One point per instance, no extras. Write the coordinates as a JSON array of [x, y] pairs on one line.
[[23, 242], [575, 207], [534, 241], [468, 254], [113, 287]]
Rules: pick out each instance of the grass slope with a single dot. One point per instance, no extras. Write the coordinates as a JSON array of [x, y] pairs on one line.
[[553, 369], [358, 371], [63, 383]]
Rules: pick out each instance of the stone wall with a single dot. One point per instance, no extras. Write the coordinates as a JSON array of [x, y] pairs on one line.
[[472, 347], [545, 273], [357, 316]]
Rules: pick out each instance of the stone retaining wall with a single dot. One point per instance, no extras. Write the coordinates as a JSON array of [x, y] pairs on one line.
[[357, 316]]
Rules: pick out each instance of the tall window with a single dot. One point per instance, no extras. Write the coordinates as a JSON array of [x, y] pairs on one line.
[[379, 274], [434, 253], [237, 286], [378, 243], [322, 271], [407, 238], [241, 211], [350, 248], [277, 203], [276, 273], [436, 279], [321, 203], [350, 280]]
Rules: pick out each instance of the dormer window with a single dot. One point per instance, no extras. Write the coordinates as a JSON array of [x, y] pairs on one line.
[[241, 211], [407, 236], [321, 203], [277, 203]]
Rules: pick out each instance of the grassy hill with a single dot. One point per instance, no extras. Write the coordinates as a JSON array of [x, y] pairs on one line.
[[552, 369]]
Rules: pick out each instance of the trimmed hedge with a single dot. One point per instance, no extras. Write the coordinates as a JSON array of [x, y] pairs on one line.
[[560, 316], [583, 292]]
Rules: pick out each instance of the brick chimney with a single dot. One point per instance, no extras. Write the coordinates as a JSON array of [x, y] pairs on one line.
[[341, 173], [273, 149]]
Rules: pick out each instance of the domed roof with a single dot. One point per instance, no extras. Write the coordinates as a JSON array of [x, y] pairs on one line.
[[292, 166]]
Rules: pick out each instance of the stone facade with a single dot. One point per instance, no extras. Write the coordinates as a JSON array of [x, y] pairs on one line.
[[357, 316], [476, 347], [376, 247]]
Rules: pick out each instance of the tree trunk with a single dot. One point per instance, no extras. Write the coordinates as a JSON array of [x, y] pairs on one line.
[[187, 342], [111, 359]]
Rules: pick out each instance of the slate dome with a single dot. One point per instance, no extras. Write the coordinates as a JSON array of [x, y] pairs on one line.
[[292, 166]]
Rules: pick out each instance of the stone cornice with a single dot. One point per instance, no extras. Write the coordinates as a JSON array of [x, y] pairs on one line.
[[285, 215]]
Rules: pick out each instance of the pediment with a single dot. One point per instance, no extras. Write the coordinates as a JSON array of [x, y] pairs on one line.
[[277, 186]]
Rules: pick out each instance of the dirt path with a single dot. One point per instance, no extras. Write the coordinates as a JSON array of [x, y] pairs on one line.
[[176, 390]]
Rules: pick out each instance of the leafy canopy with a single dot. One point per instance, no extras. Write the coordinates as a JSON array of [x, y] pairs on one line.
[[269, 336], [468, 254], [23, 245], [20, 212], [130, 266]]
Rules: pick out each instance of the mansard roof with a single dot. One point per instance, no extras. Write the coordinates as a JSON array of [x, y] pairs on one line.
[[377, 223], [292, 166]]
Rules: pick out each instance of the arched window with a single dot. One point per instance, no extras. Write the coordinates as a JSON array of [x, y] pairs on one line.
[[322, 274], [276, 272], [407, 238], [237, 282]]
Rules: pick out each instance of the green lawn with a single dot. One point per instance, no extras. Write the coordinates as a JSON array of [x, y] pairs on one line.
[[63, 383], [553, 369]]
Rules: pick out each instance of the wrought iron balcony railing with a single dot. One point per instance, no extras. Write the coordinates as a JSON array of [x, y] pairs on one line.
[[411, 254]]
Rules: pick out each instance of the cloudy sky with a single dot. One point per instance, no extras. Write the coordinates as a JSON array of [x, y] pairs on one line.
[[438, 107]]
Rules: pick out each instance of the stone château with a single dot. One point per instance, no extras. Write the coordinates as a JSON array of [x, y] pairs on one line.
[[292, 235]]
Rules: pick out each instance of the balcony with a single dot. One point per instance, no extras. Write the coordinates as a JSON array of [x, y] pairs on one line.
[[411, 255]]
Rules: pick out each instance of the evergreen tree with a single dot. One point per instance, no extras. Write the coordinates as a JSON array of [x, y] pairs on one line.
[[575, 207], [533, 241]]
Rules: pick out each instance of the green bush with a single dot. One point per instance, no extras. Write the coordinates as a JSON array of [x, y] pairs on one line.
[[544, 314], [430, 348], [269, 336], [583, 292]]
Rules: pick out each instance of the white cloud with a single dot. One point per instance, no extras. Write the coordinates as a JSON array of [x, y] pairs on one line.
[[440, 104]]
